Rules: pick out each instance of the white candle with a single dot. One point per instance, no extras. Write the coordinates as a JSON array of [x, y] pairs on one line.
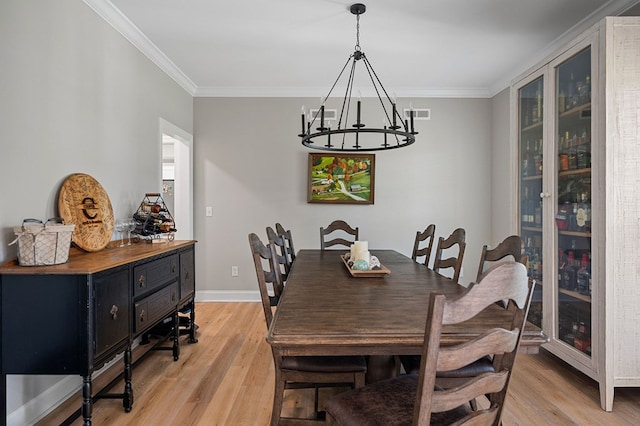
[[361, 250]]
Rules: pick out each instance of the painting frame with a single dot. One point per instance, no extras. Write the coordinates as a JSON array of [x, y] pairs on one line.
[[341, 178]]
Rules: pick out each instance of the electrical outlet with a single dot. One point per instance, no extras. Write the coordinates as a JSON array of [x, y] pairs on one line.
[[234, 271]]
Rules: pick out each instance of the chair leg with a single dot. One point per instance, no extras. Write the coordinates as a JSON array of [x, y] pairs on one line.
[[278, 397], [315, 401]]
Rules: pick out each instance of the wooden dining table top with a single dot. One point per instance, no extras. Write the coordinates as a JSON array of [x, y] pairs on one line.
[[326, 311]]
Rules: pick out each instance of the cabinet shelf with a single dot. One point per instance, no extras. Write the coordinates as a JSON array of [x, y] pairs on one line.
[[536, 126], [575, 172], [534, 177], [582, 111], [575, 295], [575, 234], [532, 229]]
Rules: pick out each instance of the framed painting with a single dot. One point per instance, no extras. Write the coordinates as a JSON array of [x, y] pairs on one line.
[[341, 178]]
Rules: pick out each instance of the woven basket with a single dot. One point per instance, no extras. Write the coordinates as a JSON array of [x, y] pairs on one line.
[[43, 243]]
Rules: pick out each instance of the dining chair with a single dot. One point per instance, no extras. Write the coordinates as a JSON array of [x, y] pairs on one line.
[[288, 238], [295, 372], [415, 398], [457, 237], [426, 235], [342, 231], [510, 246], [282, 260]]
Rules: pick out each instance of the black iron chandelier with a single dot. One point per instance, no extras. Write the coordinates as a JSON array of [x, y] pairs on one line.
[[395, 132]]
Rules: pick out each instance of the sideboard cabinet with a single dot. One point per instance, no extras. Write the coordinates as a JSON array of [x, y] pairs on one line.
[[74, 317], [576, 128]]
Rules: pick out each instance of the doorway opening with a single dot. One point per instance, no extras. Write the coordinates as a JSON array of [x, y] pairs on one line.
[[177, 177]]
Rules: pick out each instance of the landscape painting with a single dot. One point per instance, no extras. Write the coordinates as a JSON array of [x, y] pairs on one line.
[[341, 178]]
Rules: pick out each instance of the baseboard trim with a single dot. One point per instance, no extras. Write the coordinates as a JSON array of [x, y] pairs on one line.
[[227, 296]]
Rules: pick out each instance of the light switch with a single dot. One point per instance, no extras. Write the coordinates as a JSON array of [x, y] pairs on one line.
[[209, 211]]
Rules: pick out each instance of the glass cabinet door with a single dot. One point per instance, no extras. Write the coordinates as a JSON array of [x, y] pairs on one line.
[[573, 198], [530, 142]]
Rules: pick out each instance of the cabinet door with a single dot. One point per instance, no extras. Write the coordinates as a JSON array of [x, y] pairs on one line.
[[112, 309], [531, 101], [573, 130], [187, 275]]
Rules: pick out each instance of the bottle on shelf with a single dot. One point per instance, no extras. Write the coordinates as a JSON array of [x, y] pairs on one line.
[[526, 159], [562, 101], [584, 275], [569, 272], [581, 213], [537, 158], [562, 261], [582, 340]]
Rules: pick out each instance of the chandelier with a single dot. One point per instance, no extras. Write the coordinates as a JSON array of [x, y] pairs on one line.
[[353, 135]]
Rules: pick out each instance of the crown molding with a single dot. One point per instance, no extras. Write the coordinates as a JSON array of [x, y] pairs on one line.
[[611, 8], [114, 17], [316, 92]]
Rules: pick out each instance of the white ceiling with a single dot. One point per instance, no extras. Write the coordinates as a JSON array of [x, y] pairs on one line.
[[297, 47]]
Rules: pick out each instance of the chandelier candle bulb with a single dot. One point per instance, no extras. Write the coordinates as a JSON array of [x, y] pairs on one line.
[[394, 113]]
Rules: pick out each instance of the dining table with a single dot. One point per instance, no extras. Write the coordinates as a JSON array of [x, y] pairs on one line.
[[327, 309]]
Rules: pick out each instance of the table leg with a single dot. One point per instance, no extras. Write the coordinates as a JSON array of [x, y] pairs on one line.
[[127, 397], [176, 336], [86, 400], [192, 323]]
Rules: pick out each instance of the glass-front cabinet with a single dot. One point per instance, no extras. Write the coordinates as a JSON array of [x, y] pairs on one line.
[[572, 200], [553, 132], [575, 129]]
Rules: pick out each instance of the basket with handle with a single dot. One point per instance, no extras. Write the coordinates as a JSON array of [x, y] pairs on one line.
[[43, 243]]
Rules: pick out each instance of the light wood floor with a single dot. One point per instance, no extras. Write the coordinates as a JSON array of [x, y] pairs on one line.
[[227, 379]]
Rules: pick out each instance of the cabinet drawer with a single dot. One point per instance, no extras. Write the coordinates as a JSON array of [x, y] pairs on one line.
[[154, 274], [155, 307]]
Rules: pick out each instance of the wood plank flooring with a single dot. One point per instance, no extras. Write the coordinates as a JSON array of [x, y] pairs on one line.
[[227, 379]]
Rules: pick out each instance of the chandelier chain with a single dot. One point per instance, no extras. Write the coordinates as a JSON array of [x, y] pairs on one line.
[[358, 32]]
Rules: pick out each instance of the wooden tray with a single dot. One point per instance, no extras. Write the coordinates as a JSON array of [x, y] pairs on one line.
[[366, 274], [84, 202]]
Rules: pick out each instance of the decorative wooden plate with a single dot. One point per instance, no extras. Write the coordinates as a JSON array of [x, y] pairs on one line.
[[365, 274], [84, 202]]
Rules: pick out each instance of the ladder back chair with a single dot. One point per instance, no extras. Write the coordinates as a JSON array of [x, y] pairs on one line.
[[510, 246], [282, 260], [342, 231], [416, 399], [457, 237], [288, 238], [294, 372], [427, 234]]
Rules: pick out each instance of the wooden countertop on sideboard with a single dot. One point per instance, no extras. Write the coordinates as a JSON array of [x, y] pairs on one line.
[[81, 262]]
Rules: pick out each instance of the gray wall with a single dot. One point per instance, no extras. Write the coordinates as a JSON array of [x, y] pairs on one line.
[[251, 168], [502, 170], [76, 97]]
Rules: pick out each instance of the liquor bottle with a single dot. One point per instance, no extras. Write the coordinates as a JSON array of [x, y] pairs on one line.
[[537, 158], [562, 101], [525, 204], [562, 262], [569, 272], [581, 213], [584, 275], [526, 159], [581, 340]]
